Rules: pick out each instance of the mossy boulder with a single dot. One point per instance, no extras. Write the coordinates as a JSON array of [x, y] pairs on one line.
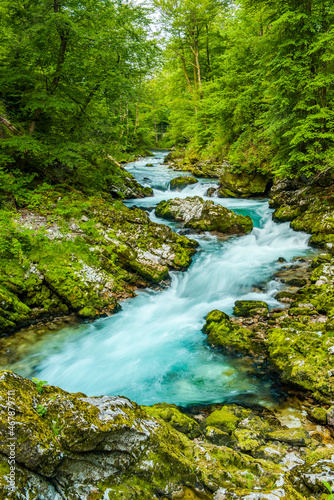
[[317, 469], [292, 437], [250, 308], [216, 436], [243, 185], [124, 185], [178, 183], [82, 288], [318, 415], [247, 440], [202, 215], [223, 333], [270, 451]]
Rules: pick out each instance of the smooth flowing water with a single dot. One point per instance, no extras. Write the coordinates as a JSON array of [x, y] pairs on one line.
[[154, 350]]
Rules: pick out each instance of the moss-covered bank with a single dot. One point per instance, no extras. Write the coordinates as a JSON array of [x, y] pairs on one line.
[[298, 341], [75, 447], [68, 252]]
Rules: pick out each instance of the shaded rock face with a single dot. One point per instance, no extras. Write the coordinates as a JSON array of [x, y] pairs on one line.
[[108, 252], [178, 183], [308, 204], [202, 215], [82, 448], [234, 185], [199, 168]]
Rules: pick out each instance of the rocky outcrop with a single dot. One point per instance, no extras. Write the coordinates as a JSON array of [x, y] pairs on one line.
[[178, 183], [124, 186], [202, 215], [85, 264], [76, 447], [308, 204], [199, 168], [243, 185]]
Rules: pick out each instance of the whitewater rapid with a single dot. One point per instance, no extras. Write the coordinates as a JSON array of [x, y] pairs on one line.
[[154, 349]]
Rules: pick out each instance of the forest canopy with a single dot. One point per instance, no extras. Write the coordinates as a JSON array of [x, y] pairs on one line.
[[248, 81]]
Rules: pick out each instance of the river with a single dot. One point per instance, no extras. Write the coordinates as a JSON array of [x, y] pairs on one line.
[[153, 350]]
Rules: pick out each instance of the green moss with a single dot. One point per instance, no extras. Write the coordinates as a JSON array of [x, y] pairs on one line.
[[242, 185], [248, 308], [293, 437], [286, 213], [178, 183], [301, 354], [247, 440], [319, 415], [179, 421], [223, 333], [226, 419]]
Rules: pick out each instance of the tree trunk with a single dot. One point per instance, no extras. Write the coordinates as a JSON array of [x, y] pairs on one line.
[[9, 125]]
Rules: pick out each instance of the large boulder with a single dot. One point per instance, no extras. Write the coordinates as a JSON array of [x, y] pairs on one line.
[[202, 215], [178, 183], [223, 333], [249, 308], [243, 185]]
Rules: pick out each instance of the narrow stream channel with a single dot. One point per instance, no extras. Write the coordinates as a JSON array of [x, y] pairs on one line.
[[154, 350]]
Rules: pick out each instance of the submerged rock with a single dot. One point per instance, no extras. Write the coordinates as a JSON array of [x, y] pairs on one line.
[[178, 183], [202, 215]]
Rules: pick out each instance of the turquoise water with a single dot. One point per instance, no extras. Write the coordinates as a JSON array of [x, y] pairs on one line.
[[154, 350]]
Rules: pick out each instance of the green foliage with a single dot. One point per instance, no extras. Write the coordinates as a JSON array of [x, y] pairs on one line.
[[329, 488], [70, 77], [41, 410], [251, 83], [39, 384], [13, 242], [56, 427]]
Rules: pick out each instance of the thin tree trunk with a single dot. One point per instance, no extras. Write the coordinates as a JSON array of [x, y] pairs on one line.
[[9, 125], [155, 123]]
